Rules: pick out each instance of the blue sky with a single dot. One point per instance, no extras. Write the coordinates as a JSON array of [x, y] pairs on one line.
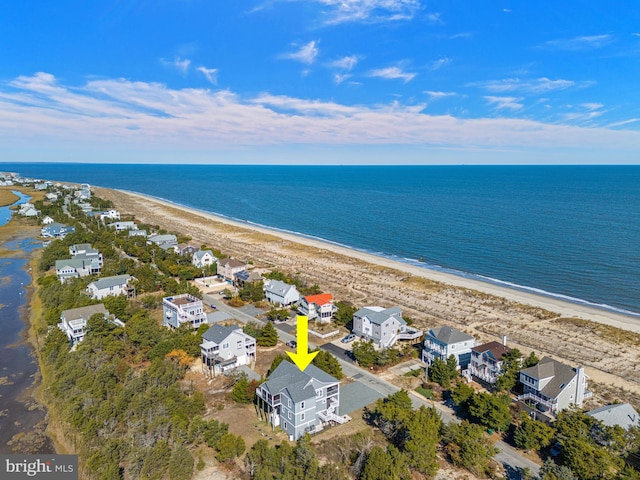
[[320, 81]]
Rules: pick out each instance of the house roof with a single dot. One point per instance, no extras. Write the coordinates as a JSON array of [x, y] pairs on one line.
[[157, 238], [496, 349], [108, 282], [201, 253], [81, 246], [379, 315], [72, 262], [278, 287], [231, 262], [560, 374], [319, 299], [298, 384], [449, 335], [622, 414], [84, 312], [217, 333]]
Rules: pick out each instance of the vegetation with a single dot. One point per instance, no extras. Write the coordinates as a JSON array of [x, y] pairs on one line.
[[344, 314], [467, 447], [252, 292], [532, 434], [442, 372], [364, 353]]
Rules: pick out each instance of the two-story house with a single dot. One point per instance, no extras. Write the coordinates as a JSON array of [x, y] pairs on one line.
[[164, 241], [84, 251], [203, 258], [486, 360], [183, 309], [116, 285], [319, 307], [442, 342], [73, 322], [553, 386], [384, 326], [225, 348], [229, 267], [78, 266], [122, 226], [300, 402], [56, 230], [280, 293]]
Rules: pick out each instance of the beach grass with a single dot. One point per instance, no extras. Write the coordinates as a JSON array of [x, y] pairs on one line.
[[612, 334], [7, 197]]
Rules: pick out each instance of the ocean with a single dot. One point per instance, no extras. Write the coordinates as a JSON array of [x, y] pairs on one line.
[[568, 231]]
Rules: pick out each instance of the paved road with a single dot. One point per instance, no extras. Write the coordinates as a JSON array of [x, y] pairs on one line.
[[510, 458]]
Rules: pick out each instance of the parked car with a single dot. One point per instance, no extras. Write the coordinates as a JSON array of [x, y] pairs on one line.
[[349, 338], [292, 344]]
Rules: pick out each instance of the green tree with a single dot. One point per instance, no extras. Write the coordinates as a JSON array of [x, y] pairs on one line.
[[532, 434], [467, 447], [589, 461], [531, 361], [268, 336], [364, 353], [452, 367], [461, 394], [326, 362], [421, 436], [344, 314], [240, 391], [440, 373], [385, 465], [492, 411], [229, 447], [551, 471]]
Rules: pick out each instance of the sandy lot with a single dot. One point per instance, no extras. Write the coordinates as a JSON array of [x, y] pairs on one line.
[[607, 343]]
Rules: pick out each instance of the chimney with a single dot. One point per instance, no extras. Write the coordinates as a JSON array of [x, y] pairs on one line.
[[504, 340]]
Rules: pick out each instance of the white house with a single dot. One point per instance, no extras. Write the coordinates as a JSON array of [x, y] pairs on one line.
[[621, 414], [77, 267], [487, 360], [442, 342], [383, 326], [203, 258], [122, 226], [47, 220], [116, 285], [225, 348], [280, 293], [28, 210], [553, 386], [164, 241], [183, 309], [319, 307], [73, 322]]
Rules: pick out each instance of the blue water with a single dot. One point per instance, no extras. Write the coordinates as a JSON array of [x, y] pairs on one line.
[[571, 231], [5, 212]]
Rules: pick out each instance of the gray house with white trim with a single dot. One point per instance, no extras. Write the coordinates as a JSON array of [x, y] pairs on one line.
[[73, 322], [300, 402], [384, 326], [225, 348], [115, 285], [554, 386], [280, 293], [442, 342]]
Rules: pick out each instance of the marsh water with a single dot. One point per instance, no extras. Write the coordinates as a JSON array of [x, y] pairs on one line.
[[21, 419]]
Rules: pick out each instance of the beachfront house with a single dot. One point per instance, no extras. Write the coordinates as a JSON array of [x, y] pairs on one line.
[[185, 249], [85, 261], [621, 414], [225, 348], [383, 326], [184, 309], [115, 285], [487, 360], [553, 386], [164, 241], [203, 258], [229, 267], [122, 226], [57, 230], [318, 307], [442, 342], [73, 322], [300, 402], [280, 293], [137, 233]]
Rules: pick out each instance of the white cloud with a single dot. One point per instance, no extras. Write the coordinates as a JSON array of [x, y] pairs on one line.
[[339, 78], [592, 105], [441, 62], [435, 18], [369, 11], [210, 73], [124, 115], [437, 95], [501, 103], [623, 122], [539, 85], [586, 42], [345, 63], [179, 64], [392, 73], [306, 53]]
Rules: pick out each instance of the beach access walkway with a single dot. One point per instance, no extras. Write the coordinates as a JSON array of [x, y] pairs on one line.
[[511, 459]]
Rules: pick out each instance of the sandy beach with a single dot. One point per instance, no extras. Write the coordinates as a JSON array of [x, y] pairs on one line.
[[606, 342]]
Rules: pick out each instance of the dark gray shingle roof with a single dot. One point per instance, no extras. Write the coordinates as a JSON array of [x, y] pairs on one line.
[[379, 317], [449, 335]]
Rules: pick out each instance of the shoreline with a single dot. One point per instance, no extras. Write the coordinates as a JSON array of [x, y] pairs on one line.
[[562, 307]]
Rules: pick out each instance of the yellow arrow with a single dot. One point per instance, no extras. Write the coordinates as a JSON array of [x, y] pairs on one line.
[[302, 358]]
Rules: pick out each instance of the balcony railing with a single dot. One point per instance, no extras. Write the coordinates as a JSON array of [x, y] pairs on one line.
[[552, 405]]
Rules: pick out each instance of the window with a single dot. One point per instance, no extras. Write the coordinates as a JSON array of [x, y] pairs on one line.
[[225, 345], [239, 344], [289, 402], [302, 405], [289, 415], [285, 425], [302, 416], [319, 393]]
